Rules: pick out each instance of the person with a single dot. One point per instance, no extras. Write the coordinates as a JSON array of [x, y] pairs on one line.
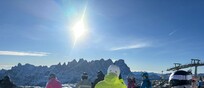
[[53, 82], [200, 83], [100, 77], [111, 79], [180, 79], [194, 82], [131, 82], [84, 83], [6, 83], [146, 82]]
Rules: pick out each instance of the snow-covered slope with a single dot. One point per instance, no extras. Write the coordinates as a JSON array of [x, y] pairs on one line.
[[67, 73]]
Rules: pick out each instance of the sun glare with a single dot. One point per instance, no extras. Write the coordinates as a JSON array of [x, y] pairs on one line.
[[79, 30]]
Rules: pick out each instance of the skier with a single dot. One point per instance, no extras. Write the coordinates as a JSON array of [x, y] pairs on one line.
[[146, 82], [111, 80], [194, 82], [6, 83], [200, 83], [100, 77], [131, 82], [180, 79], [84, 83], [53, 82]]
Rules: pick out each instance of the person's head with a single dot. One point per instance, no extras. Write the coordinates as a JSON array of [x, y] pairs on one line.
[[84, 76], [99, 73], [132, 77], [201, 79], [114, 69], [145, 75], [52, 76], [7, 78], [129, 79], [180, 79]]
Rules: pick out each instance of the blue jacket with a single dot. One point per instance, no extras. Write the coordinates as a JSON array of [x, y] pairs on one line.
[[146, 84]]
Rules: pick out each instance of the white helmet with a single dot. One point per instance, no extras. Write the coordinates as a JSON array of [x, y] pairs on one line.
[[114, 69]]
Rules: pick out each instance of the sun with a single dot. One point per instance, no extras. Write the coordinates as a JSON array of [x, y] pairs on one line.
[[78, 30]]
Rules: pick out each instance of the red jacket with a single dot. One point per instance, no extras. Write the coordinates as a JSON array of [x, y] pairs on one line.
[[53, 83], [131, 83]]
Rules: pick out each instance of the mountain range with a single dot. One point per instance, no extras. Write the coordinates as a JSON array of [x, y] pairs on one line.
[[70, 72], [30, 75]]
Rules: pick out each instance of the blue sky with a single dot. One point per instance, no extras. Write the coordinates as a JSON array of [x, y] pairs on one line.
[[150, 35]]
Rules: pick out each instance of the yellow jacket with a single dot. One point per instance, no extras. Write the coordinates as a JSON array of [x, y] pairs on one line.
[[110, 81]]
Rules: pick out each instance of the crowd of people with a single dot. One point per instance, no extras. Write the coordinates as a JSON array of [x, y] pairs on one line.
[[113, 79]]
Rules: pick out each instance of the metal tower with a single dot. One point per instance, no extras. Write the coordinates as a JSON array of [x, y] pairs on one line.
[[194, 63]]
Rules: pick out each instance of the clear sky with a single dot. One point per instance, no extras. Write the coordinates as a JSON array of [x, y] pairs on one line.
[[150, 35]]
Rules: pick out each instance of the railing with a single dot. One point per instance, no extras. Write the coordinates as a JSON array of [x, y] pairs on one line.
[[186, 66]]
